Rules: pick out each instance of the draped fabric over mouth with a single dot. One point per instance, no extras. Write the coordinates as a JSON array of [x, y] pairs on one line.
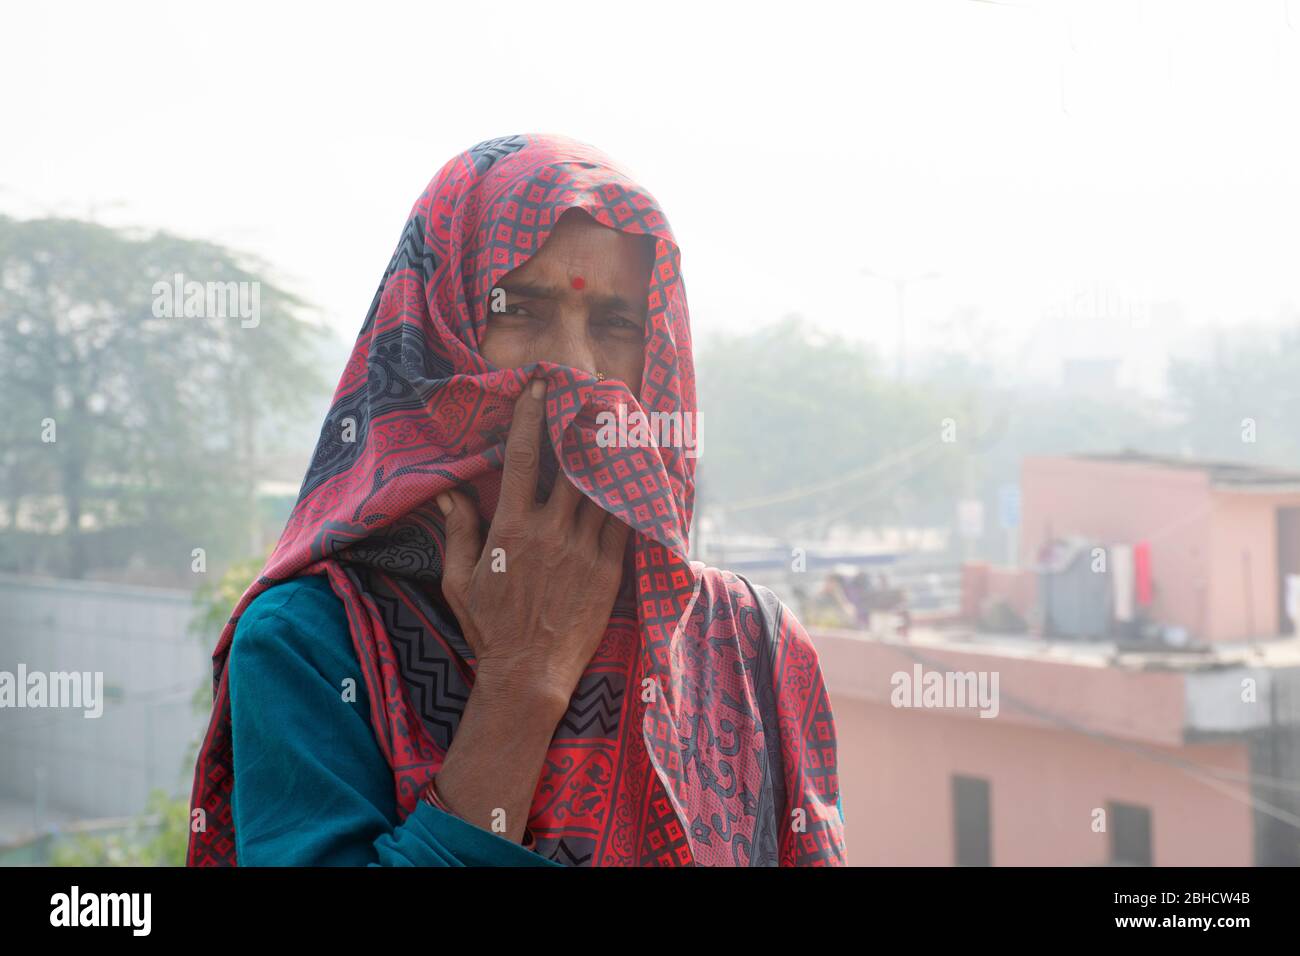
[[700, 732]]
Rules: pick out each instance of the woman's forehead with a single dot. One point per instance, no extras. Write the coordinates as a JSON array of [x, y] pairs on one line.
[[598, 254]]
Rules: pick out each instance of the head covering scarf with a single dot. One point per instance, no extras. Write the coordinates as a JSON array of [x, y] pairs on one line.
[[700, 733]]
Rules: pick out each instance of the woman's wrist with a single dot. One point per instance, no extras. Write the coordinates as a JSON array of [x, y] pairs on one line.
[[489, 773], [521, 690], [431, 796]]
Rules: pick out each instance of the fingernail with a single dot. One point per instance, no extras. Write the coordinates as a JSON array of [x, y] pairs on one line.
[[444, 504], [538, 388]]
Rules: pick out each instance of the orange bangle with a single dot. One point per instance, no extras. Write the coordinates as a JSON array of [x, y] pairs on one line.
[[431, 796]]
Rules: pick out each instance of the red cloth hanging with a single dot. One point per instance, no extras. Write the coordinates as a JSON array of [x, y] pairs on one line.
[[1144, 587]]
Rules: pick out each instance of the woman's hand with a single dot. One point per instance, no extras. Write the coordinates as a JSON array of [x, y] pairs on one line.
[[533, 612], [534, 602]]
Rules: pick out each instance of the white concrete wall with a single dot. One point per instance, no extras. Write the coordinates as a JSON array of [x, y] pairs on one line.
[[152, 667]]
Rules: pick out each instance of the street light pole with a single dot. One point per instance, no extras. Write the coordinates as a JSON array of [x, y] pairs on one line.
[[900, 284]]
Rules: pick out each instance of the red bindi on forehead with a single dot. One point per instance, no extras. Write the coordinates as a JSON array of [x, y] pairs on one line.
[[578, 282]]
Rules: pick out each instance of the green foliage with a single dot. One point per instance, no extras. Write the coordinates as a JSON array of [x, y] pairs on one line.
[[792, 415], [159, 420], [158, 838], [786, 408], [1251, 376], [214, 600]]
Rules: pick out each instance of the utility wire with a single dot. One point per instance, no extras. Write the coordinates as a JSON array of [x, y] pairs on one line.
[[797, 493]]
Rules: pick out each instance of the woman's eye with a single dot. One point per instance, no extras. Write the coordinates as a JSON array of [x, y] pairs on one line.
[[622, 323]]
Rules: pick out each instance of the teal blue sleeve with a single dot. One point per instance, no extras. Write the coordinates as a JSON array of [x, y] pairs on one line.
[[312, 787]]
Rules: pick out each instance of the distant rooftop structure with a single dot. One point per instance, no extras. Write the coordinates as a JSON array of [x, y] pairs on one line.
[[1278, 652], [1221, 540], [1220, 472]]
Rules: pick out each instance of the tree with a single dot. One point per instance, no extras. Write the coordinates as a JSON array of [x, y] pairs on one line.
[[1243, 403], [788, 410], [131, 436]]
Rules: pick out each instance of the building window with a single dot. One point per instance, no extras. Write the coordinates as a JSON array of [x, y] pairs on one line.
[[1130, 834], [972, 826]]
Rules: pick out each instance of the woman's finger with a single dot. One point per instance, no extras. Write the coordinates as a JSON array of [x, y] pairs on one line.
[[464, 543], [564, 501], [613, 538], [591, 517], [519, 478]]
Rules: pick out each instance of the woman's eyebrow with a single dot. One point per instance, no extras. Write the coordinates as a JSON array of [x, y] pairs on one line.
[[615, 302], [535, 291], [530, 289]]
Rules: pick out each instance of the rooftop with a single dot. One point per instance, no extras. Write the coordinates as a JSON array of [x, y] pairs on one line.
[[1274, 652], [1222, 473]]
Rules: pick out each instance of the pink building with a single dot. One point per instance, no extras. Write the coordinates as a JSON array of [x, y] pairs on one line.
[[963, 747], [1222, 536]]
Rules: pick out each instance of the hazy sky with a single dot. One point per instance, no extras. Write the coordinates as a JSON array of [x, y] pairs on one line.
[[1080, 162]]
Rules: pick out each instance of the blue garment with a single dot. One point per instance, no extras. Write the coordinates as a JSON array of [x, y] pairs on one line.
[[312, 787]]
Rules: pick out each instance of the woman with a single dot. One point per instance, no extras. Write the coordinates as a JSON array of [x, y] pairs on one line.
[[479, 639]]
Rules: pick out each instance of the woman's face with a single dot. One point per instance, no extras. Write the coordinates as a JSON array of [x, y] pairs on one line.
[[579, 301]]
